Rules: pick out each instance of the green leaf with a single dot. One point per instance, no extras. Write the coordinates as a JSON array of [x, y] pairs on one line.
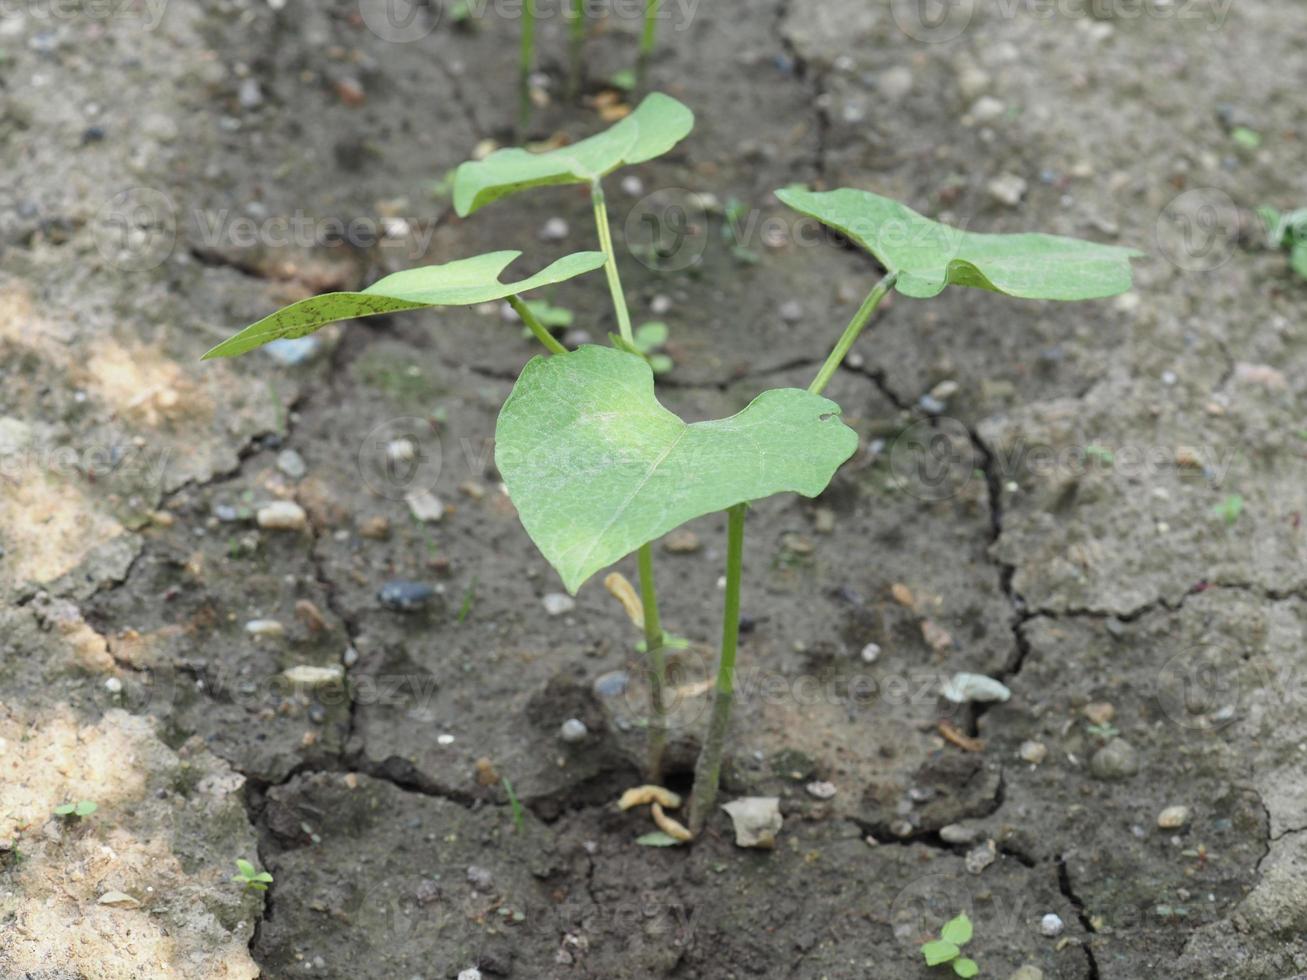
[[938, 951], [657, 838], [656, 125], [245, 868], [550, 317], [650, 335], [964, 967], [85, 808], [1247, 138], [464, 282], [63, 809], [263, 876], [1298, 258], [957, 931], [928, 255], [597, 467]]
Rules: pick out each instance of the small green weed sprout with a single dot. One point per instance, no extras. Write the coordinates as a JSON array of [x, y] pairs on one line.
[[253, 880], [948, 947], [75, 811]]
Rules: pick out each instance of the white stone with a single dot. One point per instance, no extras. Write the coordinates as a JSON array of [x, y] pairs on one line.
[[425, 506], [556, 603], [963, 687], [757, 820], [1051, 925], [282, 515]]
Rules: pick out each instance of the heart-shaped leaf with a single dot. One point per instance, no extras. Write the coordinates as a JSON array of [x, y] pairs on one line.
[[657, 124], [939, 951], [928, 255], [464, 282], [597, 467], [957, 931]]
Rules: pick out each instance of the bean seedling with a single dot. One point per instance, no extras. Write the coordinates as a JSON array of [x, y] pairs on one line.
[[948, 947], [596, 467], [75, 811], [257, 881], [1289, 232]]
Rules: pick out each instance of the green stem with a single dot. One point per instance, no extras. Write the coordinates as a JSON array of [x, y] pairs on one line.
[[576, 46], [851, 332], [647, 39], [610, 262], [708, 769], [653, 645], [527, 60], [535, 326]]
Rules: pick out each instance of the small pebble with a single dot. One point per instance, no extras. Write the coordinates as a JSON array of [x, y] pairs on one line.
[[823, 521], [611, 684], [956, 833], [1007, 189], [1051, 925], [292, 351], [471, 973], [1100, 712], [480, 879], [791, 311], [573, 730], [350, 657], [375, 528], [282, 515], [404, 596], [821, 790], [554, 230], [980, 858], [401, 451], [291, 463], [1033, 752], [444, 738], [632, 185], [1115, 760], [1173, 817], [870, 653], [1028, 972], [660, 304], [250, 95], [681, 542], [425, 506], [557, 603], [113, 685], [264, 627]]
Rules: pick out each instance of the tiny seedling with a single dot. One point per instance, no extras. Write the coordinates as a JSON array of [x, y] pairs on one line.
[[519, 815], [948, 947], [648, 342], [1230, 509], [1289, 232], [596, 466], [257, 881], [75, 811]]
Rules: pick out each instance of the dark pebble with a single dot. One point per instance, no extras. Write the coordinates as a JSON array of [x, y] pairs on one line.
[[92, 134], [404, 596], [317, 714]]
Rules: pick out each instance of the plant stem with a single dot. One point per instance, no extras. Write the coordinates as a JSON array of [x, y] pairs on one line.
[[527, 61], [647, 40], [649, 595], [610, 262], [653, 646], [851, 332], [576, 46], [708, 768], [535, 326]]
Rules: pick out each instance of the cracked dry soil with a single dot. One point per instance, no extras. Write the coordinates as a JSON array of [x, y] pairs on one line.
[[1065, 542]]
